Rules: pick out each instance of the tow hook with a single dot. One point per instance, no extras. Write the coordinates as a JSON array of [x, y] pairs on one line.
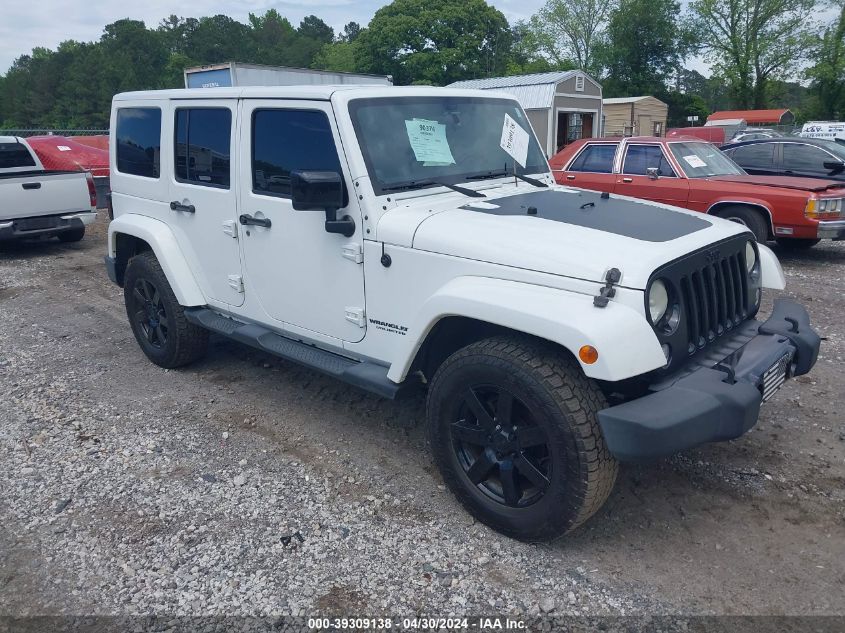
[[605, 294]]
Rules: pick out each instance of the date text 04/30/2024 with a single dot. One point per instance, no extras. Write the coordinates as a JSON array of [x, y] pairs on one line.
[[418, 623]]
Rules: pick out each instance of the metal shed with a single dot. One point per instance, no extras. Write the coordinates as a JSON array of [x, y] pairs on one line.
[[562, 106], [635, 116]]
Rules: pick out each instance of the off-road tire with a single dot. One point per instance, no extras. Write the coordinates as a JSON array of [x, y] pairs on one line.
[[184, 342], [797, 244], [564, 403], [750, 218], [72, 235]]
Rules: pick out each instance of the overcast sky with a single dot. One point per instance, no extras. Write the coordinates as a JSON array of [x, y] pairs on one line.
[[49, 22]]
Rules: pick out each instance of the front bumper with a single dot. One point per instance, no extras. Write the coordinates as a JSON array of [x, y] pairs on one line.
[[717, 402], [831, 229], [41, 226]]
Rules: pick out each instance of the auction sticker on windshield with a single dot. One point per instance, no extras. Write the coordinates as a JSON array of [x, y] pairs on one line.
[[514, 140], [694, 161], [428, 140]]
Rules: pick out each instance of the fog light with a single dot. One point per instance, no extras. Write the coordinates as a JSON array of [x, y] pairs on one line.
[[588, 354]]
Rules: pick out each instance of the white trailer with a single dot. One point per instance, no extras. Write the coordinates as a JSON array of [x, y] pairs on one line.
[[233, 74]]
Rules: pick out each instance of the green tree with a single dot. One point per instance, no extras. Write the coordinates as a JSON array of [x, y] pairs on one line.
[[274, 38], [643, 47], [572, 30], [314, 28], [338, 56], [220, 39], [311, 36], [526, 56], [752, 42], [351, 31], [435, 41], [134, 56], [682, 105], [828, 70]]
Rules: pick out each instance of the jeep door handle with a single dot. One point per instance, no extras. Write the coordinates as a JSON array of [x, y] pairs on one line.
[[248, 220], [31, 185], [627, 180], [178, 206], [570, 177]]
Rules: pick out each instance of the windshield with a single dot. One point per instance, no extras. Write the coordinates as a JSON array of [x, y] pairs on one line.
[[413, 142], [702, 160], [837, 149]]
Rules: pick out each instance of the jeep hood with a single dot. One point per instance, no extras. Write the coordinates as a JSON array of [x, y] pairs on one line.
[[560, 231]]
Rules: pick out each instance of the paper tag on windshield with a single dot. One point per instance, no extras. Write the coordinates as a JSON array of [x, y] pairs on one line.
[[514, 140], [428, 140], [63, 148], [694, 161]]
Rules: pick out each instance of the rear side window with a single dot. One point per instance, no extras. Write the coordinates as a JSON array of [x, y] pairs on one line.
[[639, 158], [289, 140], [799, 157], [139, 141], [203, 146], [760, 155], [15, 155], [596, 158]]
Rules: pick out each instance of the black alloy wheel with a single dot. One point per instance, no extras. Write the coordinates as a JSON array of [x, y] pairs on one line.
[[514, 431], [500, 447], [150, 315], [158, 320]]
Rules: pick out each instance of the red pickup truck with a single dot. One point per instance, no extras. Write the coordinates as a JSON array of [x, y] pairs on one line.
[[689, 173]]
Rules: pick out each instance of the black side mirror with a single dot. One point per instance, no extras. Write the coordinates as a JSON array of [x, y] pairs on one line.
[[834, 165], [653, 172], [312, 190]]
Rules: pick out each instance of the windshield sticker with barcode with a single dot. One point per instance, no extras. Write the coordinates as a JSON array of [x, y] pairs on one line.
[[694, 161], [429, 143]]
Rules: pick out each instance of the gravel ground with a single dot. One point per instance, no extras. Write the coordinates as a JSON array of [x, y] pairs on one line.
[[246, 485]]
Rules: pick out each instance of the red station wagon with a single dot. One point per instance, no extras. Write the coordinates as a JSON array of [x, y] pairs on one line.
[[694, 174]]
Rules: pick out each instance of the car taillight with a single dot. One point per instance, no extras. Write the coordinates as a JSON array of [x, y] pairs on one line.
[[92, 190]]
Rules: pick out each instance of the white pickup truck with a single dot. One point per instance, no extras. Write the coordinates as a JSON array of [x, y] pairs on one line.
[[35, 202], [414, 238]]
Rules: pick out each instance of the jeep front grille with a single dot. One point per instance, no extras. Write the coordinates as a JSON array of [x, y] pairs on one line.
[[715, 299]]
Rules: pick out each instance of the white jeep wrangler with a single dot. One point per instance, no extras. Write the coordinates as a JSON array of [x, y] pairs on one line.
[[406, 237]]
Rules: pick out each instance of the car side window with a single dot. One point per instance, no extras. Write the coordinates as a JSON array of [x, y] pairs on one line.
[[15, 155], [639, 158], [138, 133], [289, 140], [596, 158], [203, 146], [800, 157], [756, 156]]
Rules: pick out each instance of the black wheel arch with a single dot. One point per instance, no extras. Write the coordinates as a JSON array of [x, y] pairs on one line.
[[126, 247], [452, 333]]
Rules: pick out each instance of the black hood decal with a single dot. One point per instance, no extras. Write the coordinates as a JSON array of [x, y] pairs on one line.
[[591, 210]]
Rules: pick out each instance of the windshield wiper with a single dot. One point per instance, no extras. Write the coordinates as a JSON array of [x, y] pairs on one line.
[[499, 174], [419, 184]]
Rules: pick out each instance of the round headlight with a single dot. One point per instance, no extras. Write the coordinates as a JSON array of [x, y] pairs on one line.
[[658, 300], [750, 256]]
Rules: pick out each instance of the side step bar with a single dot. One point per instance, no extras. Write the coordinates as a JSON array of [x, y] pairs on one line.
[[367, 376]]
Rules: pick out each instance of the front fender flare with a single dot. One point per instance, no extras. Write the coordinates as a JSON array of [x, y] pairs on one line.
[[625, 341], [772, 273], [161, 239]]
